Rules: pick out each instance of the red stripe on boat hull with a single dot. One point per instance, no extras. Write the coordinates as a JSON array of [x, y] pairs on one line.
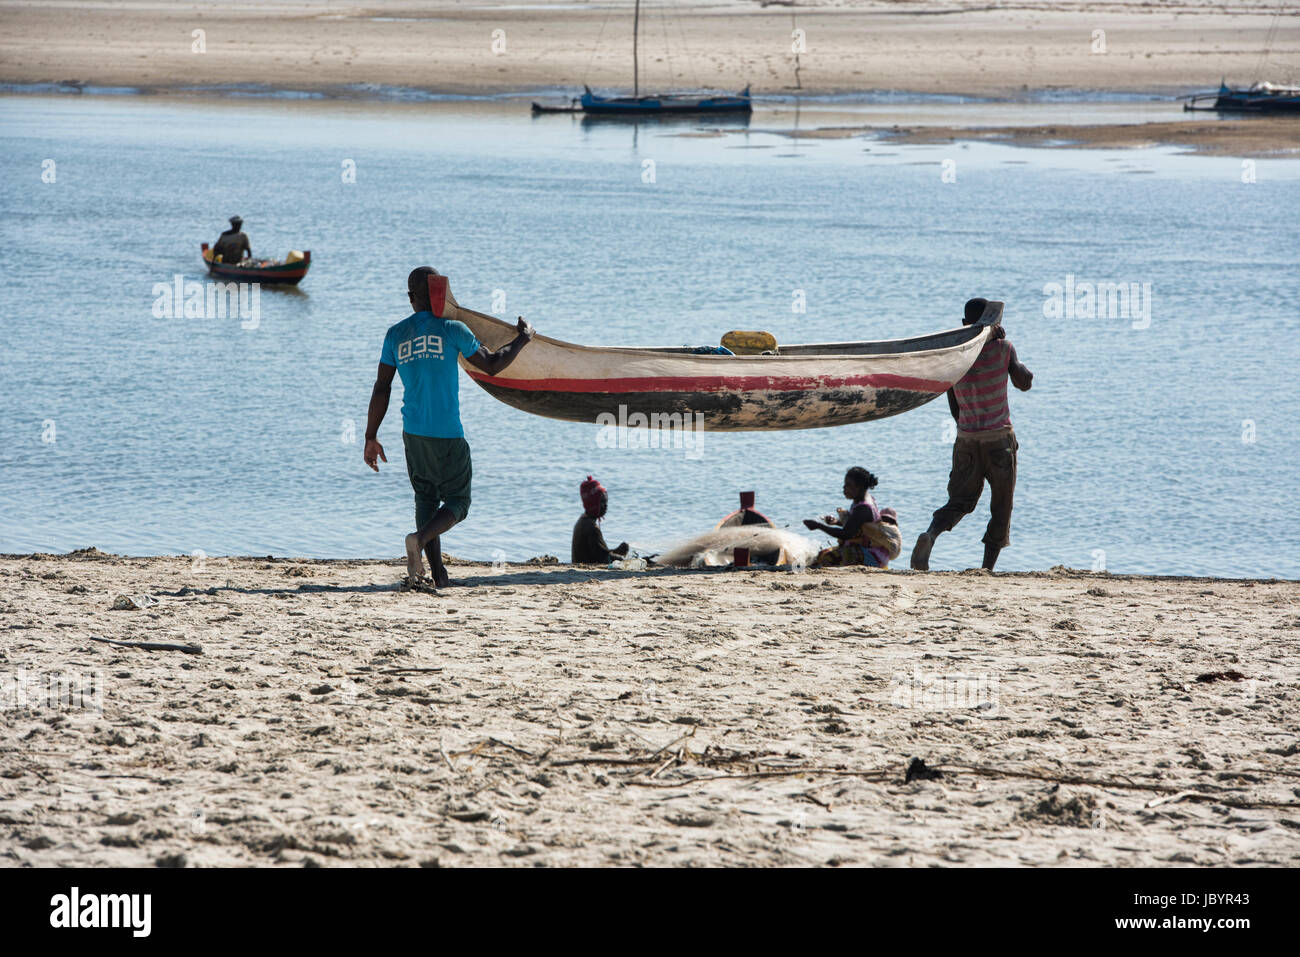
[[733, 383]]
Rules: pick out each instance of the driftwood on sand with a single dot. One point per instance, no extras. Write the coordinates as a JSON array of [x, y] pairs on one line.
[[151, 645]]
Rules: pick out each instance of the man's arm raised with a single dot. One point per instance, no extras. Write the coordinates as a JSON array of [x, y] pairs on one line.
[[494, 362], [1021, 377], [379, 397]]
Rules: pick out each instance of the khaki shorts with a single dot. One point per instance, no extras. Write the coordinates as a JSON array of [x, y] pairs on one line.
[[974, 461]]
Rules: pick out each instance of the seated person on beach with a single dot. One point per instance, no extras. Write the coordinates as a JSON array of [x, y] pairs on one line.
[[867, 536], [232, 246], [589, 546]]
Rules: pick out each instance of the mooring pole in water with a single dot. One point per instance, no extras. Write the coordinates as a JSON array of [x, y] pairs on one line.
[[636, 28]]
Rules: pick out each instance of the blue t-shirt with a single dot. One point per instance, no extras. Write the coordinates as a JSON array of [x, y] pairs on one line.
[[423, 348]]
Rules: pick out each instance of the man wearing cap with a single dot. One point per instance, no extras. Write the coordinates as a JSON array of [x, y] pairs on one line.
[[589, 546], [232, 246], [423, 349]]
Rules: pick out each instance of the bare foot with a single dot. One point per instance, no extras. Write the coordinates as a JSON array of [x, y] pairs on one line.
[[921, 551], [440, 577], [414, 563]]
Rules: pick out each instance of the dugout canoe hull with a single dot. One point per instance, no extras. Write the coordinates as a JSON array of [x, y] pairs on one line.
[[272, 273], [805, 387]]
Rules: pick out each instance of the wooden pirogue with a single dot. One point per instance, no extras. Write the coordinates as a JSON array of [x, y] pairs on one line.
[[289, 271], [801, 387]]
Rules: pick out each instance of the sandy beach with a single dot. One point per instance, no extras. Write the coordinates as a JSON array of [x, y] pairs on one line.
[[546, 715], [958, 46]]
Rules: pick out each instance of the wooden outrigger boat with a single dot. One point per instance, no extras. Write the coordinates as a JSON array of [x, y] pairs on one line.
[[1257, 98], [707, 101], [289, 271], [676, 103], [800, 387]]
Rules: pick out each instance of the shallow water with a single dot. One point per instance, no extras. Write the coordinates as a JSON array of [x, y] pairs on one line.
[[1168, 449]]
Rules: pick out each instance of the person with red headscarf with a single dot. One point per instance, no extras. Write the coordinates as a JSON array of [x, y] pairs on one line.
[[589, 546]]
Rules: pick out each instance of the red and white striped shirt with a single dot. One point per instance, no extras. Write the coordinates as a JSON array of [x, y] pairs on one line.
[[982, 391]]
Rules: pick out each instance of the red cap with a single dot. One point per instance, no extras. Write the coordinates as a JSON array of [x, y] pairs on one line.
[[591, 491]]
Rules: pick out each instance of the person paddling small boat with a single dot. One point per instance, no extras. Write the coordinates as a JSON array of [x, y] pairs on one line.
[[231, 257], [232, 246]]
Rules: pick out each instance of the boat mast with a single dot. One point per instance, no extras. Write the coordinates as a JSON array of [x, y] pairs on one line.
[[1268, 44], [636, 24]]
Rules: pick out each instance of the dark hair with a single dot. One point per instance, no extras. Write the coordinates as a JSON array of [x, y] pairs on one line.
[[974, 309], [417, 284], [861, 476]]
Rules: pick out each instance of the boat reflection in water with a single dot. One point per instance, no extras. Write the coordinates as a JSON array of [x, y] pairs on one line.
[[730, 121]]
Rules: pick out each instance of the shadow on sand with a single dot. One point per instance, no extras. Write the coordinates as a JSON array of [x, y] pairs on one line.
[[484, 576]]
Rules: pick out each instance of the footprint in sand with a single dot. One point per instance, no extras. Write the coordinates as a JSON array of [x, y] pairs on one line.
[[900, 599]]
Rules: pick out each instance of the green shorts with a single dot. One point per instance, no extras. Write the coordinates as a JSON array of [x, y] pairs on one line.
[[440, 472]]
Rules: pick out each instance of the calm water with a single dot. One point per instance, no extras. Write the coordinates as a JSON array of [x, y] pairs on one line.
[[1171, 448]]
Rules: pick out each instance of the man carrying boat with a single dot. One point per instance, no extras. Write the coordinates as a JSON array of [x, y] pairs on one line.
[[232, 246], [985, 447], [423, 348]]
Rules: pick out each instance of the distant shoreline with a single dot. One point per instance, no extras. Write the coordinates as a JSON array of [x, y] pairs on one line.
[[868, 53], [384, 94], [959, 47]]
